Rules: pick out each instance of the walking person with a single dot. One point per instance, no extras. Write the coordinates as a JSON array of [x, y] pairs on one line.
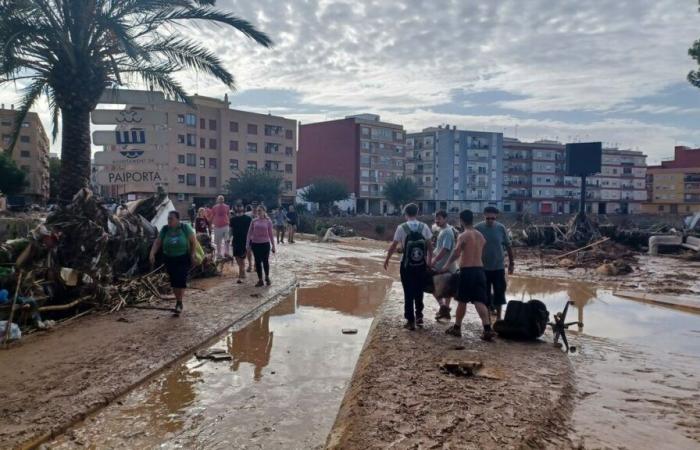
[[494, 265], [280, 218], [415, 237], [292, 221], [249, 254], [444, 248], [178, 241], [472, 280], [192, 211], [201, 223], [260, 241], [220, 220], [240, 224]]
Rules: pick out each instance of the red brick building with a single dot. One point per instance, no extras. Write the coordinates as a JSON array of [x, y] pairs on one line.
[[361, 151]]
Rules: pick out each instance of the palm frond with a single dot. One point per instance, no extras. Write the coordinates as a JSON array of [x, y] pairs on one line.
[[161, 78]]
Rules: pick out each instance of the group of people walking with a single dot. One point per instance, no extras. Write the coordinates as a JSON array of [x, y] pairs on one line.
[[475, 257], [243, 231]]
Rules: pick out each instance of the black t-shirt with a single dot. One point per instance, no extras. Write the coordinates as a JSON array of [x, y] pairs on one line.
[[292, 218], [239, 227]]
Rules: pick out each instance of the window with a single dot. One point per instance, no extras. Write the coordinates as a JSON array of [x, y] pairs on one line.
[[233, 127], [233, 146], [202, 162], [289, 151], [202, 181], [202, 123], [289, 134], [180, 118], [191, 179], [25, 124], [365, 132], [212, 124], [273, 130], [192, 160], [661, 208], [212, 144], [627, 170], [287, 186], [180, 138], [365, 145], [24, 154], [233, 164], [252, 147], [191, 120], [252, 164], [288, 168], [252, 129], [212, 163], [202, 143], [271, 148], [191, 140], [6, 123], [181, 179], [181, 159], [212, 182], [181, 197]]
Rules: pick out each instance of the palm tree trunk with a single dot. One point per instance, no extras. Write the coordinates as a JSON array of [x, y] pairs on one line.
[[75, 152]]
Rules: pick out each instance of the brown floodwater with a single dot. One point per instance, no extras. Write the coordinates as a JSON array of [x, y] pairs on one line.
[[282, 388], [637, 367]]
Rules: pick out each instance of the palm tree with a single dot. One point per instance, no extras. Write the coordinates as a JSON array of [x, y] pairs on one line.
[[72, 50]]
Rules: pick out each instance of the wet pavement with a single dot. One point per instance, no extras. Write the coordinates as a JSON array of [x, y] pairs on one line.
[[637, 367]]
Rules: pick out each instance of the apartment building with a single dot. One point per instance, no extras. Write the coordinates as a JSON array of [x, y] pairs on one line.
[[674, 186], [210, 144], [361, 151], [31, 153], [456, 169], [535, 180]]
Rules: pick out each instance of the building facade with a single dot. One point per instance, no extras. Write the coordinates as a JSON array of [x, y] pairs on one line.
[[535, 180], [31, 153], [456, 169], [212, 143], [361, 151], [674, 186]]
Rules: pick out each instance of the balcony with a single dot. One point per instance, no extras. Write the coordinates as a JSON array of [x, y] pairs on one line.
[[521, 194]]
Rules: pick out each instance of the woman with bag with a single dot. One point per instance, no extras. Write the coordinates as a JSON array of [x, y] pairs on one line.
[[260, 240], [179, 246]]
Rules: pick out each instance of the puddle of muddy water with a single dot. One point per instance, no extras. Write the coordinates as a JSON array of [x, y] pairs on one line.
[[281, 389], [637, 367]]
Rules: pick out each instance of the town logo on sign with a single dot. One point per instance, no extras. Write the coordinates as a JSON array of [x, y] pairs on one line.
[[130, 137], [131, 154], [129, 117]]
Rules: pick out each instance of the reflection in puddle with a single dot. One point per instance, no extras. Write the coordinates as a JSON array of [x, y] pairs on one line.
[[637, 366], [282, 388]]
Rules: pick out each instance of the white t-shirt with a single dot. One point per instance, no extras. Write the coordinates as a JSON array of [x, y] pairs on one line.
[[400, 234]]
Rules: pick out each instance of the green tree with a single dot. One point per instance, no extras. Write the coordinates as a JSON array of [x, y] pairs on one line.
[[12, 179], [255, 185], [72, 50], [401, 190], [54, 178], [325, 191]]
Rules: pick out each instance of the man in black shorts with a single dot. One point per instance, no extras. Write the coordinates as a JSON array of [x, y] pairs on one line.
[[240, 223], [472, 280]]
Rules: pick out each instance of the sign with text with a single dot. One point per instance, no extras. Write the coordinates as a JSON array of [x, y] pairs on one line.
[[129, 137], [131, 157], [129, 117], [139, 175], [132, 97]]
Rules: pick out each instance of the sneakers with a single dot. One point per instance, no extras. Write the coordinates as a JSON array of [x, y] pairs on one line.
[[443, 313], [259, 284], [488, 335], [419, 322], [454, 330], [267, 281], [410, 326]]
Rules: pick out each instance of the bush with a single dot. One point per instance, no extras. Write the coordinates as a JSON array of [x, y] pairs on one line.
[[380, 229]]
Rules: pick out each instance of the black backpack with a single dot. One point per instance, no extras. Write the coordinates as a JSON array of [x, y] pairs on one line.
[[414, 248], [523, 321]]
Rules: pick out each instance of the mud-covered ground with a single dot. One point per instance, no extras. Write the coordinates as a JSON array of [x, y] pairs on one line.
[[400, 398]]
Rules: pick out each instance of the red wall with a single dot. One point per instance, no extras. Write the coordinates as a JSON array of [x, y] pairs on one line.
[[329, 149], [684, 157]]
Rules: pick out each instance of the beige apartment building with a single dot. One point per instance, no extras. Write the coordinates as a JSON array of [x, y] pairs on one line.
[[31, 154], [211, 144]]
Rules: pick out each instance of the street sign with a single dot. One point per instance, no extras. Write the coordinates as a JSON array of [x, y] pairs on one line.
[[129, 156], [132, 97], [132, 118], [140, 175], [129, 137]]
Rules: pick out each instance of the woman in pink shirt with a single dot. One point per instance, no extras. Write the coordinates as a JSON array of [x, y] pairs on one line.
[[260, 241], [220, 219]]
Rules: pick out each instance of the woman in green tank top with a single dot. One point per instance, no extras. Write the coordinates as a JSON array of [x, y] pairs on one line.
[[178, 242]]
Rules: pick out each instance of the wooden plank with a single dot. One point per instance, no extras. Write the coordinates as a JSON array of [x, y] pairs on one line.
[[131, 117], [132, 97], [583, 248], [134, 137], [131, 157]]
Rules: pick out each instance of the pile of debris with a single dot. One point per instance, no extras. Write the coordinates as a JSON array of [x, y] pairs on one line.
[[84, 255], [342, 231]]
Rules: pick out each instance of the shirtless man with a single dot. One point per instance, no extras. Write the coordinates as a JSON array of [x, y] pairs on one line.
[[472, 280]]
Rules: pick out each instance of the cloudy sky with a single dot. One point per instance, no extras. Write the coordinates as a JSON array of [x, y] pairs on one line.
[[609, 70]]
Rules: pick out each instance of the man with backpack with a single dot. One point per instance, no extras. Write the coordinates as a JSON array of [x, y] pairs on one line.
[[415, 237]]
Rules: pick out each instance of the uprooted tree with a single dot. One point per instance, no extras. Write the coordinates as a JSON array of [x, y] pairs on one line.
[[72, 50], [325, 191]]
